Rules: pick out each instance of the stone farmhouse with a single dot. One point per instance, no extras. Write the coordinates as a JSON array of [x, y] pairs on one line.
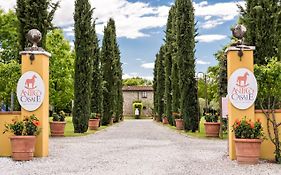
[[137, 93]]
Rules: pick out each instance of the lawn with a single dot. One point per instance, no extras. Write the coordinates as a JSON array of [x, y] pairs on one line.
[[197, 134], [69, 129]]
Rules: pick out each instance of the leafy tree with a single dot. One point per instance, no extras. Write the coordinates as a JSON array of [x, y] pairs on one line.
[[222, 83], [269, 85], [61, 71], [96, 97], [136, 81], [186, 45], [261, 18], [83, 65], [35, 15], [9, 73], [213, 77], [8, 36], [168, 66], [107, 59]]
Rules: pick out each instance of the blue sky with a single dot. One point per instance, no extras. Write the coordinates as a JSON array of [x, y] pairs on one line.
[[141, 25]]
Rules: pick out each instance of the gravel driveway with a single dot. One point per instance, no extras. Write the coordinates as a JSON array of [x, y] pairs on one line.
[[135, 147]]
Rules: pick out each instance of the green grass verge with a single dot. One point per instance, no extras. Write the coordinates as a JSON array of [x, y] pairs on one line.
[[196, 134], [69, 129]]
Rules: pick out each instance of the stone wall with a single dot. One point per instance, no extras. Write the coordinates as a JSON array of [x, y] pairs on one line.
[[131, 96]]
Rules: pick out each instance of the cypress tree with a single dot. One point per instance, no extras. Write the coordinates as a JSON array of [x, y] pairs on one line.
[[161, 81], [168, 67], [96, 87], [117, 71], [261, 19], [155, 101], [186, 48], [175, 67], [34, 15], [107, 60], [83, 65]]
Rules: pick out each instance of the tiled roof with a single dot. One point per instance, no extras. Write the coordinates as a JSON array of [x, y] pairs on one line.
[[137, 88]]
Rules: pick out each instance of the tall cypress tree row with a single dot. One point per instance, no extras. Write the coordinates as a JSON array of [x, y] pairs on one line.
[[261, 19], [83, 65], [186, 48], [168, 67], [175, 67], [161, 81], [34, 15], [155, 73], [107, 59], [117, 69], [96, 87]]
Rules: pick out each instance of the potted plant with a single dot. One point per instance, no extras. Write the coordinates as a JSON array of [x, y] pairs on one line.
[[23, 141], [212, 126], [179, 120], [94, 121], [165, 119], [58, 124], [248, 138]]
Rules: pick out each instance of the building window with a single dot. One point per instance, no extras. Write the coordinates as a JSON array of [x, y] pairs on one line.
[[144, 95]]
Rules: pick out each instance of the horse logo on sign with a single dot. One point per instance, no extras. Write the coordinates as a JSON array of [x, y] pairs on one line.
[[31, 82], [30, 91], [243, 79], [242, 88]]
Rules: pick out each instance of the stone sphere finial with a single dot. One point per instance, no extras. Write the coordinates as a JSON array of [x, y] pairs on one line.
[[34, 36], [239, 31]]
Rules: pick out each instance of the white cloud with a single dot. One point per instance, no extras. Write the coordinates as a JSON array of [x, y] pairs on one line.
[[211, 24], [131, 17], [7, 4], [148, 65], [207, 17], [126, 76], [222, 12], [201, 62], [210, 38]]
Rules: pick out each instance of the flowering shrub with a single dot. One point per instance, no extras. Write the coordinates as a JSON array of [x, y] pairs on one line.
[[27, 126], [246, 129]]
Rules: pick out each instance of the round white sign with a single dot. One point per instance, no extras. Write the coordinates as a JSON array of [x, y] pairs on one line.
[[30, 91], [242, 88]]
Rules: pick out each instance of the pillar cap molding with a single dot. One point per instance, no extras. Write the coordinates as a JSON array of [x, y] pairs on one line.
[[240, 47], [36, 53]]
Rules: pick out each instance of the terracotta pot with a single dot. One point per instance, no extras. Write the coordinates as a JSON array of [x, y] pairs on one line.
[[22, 147], [247, 150], [179, 124], [94, 124], [165, 120], [212, 129], [57, 128]]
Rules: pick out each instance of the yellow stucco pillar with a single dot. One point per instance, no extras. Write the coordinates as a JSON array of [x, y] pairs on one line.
[[234, 62], [40, 64]]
